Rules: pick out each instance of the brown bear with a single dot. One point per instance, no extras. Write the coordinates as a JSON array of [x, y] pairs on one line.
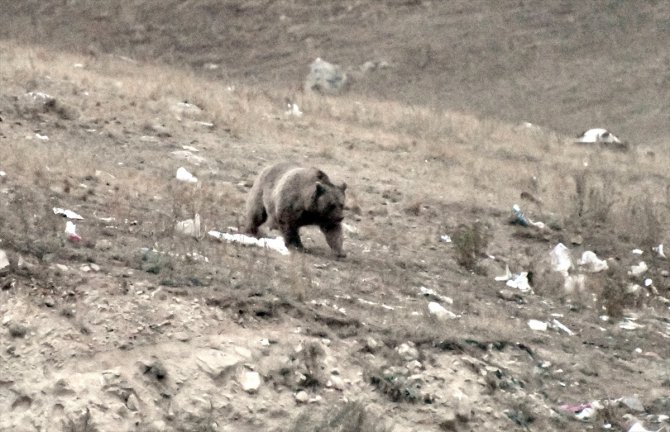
[[291, 196]]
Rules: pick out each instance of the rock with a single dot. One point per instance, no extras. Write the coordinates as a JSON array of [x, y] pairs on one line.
[[187, 110], [189, 227], [325, 77], [103, 244], [436, 310], [95, 267], [414, 366], [633, 403], [371, 344], [302, 397], [577, 240], [49, 302], [250, 381], [407, 351], [4, 262], [335, 382], [132, 403], [17, 330], [61, 267], [217, 363]]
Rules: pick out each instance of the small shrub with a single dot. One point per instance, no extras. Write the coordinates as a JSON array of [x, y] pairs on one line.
[[470, 242]]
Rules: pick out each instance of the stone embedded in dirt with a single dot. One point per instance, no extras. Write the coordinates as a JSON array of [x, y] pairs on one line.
[[372, 344], [407, 351], [217, 363], [302, 397], [17, 330], [133, 403], [189, 227], [325, 77], [336, 382], [438, 311], [183, 110], [633, 403], [250, 381], [61, 267], [577, 240]]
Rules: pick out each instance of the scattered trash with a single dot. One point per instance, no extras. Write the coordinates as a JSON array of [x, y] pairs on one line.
[[560, 259], [185, 176], [67, 213], [538, 325], [592, 263], [520, 282], [189, 227], [507, 276], [586, 414], [41, 137], [597, 135], [293, 110], [440, 312], [575, 408], [659, 251], [523, 220], [557, 324], [629, 324], [639, 269], [276, 244], [445, 238], [71, 231], [637, 251]]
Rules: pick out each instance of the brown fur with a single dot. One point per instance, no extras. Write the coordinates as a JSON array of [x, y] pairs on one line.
[[289, 196]]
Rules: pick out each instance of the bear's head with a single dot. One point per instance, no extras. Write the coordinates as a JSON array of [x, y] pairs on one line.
[[329, 203]]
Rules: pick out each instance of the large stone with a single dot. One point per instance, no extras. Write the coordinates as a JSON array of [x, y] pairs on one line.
[[250, 381], [325, 77], [217, 363]]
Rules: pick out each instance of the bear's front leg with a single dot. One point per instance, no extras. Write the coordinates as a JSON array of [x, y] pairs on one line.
[[292, 237], [334, 238]]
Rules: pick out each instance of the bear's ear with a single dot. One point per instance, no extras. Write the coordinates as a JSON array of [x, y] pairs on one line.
[[343, 187], [320, 189]]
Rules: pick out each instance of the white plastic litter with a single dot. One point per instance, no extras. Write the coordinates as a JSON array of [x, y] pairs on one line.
[[71, 231], [538, 325], [507, 276], [185, 176], [659, 251], [586, 414], [592, 263], [598, 135], [293, 110], [445, 238], [41, 137], [639, 269], [189, 227], [440, 312], [560, 259], [67, 213], [520, 282], [276, 244], [637, 251], [556, 323]]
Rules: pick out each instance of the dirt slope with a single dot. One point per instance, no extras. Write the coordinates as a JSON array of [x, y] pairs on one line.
[[569, 66]]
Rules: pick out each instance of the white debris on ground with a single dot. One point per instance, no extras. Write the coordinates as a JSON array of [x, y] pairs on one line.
[[67, 213], [276, 244], [185, 176], [598, 135]]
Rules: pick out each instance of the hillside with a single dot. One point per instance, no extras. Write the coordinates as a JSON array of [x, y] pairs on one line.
[[568, 66], [136, 326]]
